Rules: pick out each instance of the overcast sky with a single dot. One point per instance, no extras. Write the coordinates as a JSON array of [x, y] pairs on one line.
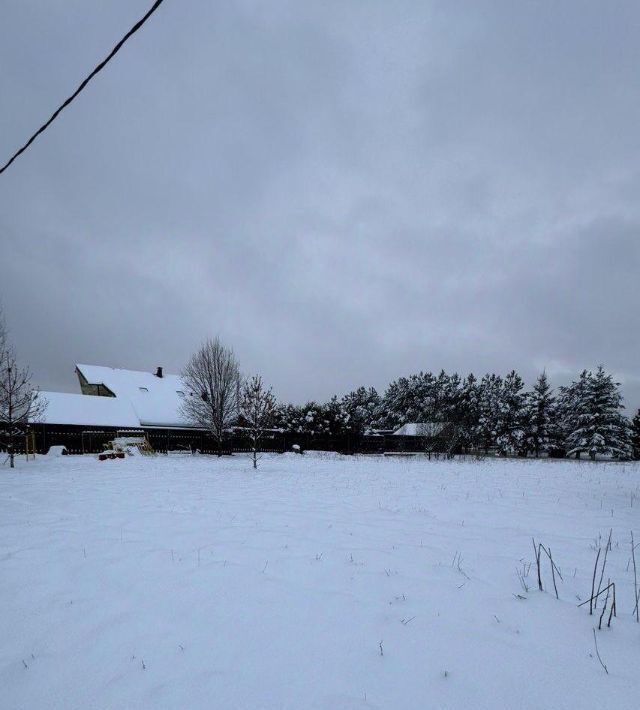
[[345, 192]]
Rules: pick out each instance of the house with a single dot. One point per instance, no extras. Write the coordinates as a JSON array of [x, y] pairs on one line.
[[432, 437], [154, 396], [77, 410], [422, 429], [114, 401]]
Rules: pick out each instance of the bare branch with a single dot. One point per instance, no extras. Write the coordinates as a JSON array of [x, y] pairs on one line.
[[212, 380], [595, 640], [20, 402], [593, 583], [257, 410], [635, 579]]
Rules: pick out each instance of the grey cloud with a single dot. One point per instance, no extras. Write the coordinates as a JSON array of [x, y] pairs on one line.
[[344, 192]]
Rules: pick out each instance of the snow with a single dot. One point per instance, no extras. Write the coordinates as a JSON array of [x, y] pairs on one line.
[[420, 429], [155, 400], [142, 399], [315, 582], [57, 451], [79, 409]]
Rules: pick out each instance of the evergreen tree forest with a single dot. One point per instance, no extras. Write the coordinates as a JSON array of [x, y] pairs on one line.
[[493, 414]]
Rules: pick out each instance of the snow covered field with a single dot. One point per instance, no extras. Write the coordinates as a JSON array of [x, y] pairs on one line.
[[317, 582]]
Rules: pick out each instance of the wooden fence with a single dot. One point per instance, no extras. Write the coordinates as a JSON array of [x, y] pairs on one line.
[[92, 440]]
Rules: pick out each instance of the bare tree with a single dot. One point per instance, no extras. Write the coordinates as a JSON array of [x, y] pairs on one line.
[[257, 409], [212, 378], [20, 402], [3, 333]]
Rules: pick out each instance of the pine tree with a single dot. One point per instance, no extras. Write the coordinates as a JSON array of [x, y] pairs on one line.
[[510, 416], [287, 418], [467, 411], [421, 398], [597, 425], [489, 397], [311, 419], [334, 418], [447, 394], [360, 409], [635, 436], [400, 403], [540, 417], [567, 407]]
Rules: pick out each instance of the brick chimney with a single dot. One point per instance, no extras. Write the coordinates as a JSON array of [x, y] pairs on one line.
[[159, 372]]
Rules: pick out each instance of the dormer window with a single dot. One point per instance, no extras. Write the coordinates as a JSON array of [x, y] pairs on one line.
[[143, 389]]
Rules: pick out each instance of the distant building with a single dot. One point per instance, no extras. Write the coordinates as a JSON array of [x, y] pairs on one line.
[[77, 410], [154, 397], [114, 400], [433, 437], [423, 429]]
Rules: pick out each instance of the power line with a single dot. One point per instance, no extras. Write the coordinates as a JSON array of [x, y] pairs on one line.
[[99, 68]]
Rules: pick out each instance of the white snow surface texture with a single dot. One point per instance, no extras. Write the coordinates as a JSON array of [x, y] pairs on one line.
[[315, 582], [80, 409]]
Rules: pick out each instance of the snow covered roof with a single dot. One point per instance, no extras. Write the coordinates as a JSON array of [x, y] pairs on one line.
[[80, 409], [155, 400], [420, 429]]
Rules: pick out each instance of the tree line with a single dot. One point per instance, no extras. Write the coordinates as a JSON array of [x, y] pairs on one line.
[[494, 413]]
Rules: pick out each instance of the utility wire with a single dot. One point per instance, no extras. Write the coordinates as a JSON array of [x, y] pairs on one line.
[[99, 68]]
